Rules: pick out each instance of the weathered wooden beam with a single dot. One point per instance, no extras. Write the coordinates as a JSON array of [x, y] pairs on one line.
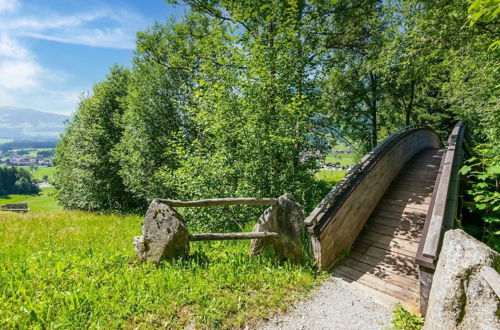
[[231, 236], [219, 202], [445, 204]]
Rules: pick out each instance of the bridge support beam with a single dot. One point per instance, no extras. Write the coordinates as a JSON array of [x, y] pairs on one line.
[[425, 277]]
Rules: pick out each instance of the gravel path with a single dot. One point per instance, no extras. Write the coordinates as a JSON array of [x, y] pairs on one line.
[[334, 305]]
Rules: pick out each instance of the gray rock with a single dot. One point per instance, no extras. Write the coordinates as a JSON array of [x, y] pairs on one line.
[[164, 236], [287, 219], [460, 298]]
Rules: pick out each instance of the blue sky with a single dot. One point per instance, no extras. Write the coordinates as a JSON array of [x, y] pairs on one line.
[[52, 51]]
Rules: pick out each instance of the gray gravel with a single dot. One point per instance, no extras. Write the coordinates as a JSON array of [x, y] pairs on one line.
[[334, 305]]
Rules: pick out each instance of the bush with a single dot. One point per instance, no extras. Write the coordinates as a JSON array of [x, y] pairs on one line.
[[483, 174], [402, 319]]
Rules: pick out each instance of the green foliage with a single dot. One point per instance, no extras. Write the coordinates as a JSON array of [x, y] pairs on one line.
[[78, 269], [227, 100], [485, 13], [15, 180], [483, 175], [404, 320], [86, 173]]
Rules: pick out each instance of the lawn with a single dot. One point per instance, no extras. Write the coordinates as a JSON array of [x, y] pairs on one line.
[[330, 176], [72, 269], [45, 201], [40, 172], [343, 159]]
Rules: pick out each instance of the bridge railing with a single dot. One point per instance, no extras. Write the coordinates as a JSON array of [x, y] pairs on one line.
[[444, 209]]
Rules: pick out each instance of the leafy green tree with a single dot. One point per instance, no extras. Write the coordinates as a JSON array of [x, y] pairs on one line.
[[16, 181], [155, 122], [87, 175]]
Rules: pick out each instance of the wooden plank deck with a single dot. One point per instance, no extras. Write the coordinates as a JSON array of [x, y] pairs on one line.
[[382, 260]]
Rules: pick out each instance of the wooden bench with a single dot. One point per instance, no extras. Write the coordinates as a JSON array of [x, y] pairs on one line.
[[22, 207]]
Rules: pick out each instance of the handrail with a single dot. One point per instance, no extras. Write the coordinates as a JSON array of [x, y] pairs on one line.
[[446, 201], [332, 201], [219, 202]]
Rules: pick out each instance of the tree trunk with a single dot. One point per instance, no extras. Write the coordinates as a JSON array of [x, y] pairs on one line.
[[373, 109]]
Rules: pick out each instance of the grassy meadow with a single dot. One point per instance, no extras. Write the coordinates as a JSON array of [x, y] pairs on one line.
[[61, 269], [40, 172], [45, 201], [330, 176]]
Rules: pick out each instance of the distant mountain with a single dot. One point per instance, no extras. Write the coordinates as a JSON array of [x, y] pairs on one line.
[[20, 123]]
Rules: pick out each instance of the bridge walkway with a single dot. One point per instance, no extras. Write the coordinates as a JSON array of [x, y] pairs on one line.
[[382, 260]]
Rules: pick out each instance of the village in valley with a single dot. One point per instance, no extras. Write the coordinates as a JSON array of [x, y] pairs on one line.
[[15, 159]]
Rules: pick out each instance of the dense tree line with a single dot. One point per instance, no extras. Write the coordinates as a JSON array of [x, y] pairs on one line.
[[27, 144], [226, 101], [16, 181]]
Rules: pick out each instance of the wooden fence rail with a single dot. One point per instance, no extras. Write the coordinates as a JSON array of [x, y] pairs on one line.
[[232, 236], [219, 202], [165, 236]]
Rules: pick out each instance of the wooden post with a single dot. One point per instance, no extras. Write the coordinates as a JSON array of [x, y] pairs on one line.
[[425, 278]]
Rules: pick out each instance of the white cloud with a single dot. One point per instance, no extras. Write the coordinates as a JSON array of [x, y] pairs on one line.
[[11, 48], [24, 82], [102, 27], [8, 6], [19, 74], [110, 38]]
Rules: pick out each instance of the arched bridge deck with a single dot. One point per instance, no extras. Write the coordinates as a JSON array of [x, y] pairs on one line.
[[380, 228]]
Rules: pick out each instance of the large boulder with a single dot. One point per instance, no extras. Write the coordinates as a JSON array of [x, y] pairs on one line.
[[164, 236], [287, 219], [460, 297]]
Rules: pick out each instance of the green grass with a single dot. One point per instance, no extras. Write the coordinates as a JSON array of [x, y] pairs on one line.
[[343, 159], [330, 176], [2, 141], [71, 269], [40, 172], [45, 201]]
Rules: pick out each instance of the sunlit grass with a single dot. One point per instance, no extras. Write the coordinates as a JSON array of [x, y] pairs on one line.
[[41, 171], [45, 201], [330, 176], [343, 159], [76, 269]]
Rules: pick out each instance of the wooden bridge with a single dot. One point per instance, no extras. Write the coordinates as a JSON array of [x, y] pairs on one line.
[[380, 228]]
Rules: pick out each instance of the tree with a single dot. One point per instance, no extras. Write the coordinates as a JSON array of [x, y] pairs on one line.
[[156, 122], [87, 175], [16, 181]]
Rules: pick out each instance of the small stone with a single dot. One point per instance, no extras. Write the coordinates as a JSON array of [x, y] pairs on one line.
[[164, 236]]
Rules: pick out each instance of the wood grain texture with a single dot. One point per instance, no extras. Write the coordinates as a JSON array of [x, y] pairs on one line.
[[342, 229], [219, 202], [382, 260], [231, 236]]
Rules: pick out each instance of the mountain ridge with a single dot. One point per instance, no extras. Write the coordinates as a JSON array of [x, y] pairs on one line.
[[25, 123]]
